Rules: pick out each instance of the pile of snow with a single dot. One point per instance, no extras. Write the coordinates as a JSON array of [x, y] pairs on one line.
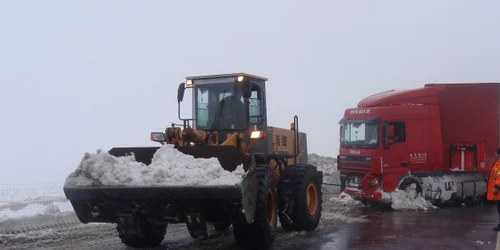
[[346, 200], [168, 167], [406, 201], [16, 217], [326, 164]]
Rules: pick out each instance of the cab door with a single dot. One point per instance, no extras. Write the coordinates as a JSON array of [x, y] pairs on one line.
[[395, 153], [417, 147]]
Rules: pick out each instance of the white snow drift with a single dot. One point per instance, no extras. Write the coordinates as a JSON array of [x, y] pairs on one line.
[[346, 200], [406, 200], [168, 167], [17, 217], [400, 200]]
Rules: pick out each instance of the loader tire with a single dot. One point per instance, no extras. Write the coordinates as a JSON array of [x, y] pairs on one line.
[[307, 198], [262, 231], [147, 236]]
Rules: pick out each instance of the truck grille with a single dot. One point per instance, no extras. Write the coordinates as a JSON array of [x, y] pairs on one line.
[[355, 162]]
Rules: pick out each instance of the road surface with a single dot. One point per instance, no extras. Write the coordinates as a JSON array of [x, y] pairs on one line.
[[341, 228]]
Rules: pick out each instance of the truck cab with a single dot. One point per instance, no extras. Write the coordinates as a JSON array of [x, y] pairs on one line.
[[378, 145]]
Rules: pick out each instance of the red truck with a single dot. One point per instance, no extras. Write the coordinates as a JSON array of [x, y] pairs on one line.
[[439, 140]]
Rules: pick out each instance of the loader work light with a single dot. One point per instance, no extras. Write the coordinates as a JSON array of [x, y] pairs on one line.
[[256, 134], [189, 83], [157, 136], [240, 78]]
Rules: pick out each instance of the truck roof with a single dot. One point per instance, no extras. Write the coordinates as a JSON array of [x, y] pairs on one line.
[[225, 75], [420, 96]]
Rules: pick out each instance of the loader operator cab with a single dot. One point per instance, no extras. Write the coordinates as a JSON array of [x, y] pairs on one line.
[[226, 103]]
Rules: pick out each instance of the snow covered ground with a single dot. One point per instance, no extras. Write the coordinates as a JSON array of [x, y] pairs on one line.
[[42, 212]]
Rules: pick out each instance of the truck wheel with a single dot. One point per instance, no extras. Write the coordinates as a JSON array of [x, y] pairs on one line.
[[307, 197], [261, 232], [406, 185], [144, 235]]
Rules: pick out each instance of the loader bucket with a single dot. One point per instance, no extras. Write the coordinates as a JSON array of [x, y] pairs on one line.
[[171, 203]]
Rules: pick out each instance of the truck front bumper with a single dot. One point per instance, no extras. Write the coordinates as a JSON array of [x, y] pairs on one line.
[[359, 194]]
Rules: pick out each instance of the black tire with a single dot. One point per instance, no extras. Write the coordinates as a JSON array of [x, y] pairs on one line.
[[262, 231], [147, 235], [407, 182], [306, 184], [343, 184], [198, 237]]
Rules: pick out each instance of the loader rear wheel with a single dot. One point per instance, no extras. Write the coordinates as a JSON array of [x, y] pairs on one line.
[[307, 198], [261, 233], [143, 235]]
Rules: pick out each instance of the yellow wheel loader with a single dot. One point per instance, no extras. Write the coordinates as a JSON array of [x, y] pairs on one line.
[[230, 124]]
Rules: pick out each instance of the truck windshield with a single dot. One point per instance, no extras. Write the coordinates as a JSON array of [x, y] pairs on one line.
[[216, 108], [359, 135]]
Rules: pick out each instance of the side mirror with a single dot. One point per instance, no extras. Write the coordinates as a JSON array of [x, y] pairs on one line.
[[385, 138], [180, 92], [390, 131], [390, 135]]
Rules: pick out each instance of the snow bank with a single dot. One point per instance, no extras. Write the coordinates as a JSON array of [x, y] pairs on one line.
[[31, 215], [168, 167], [346, 200], [405, 201], [326, 164]]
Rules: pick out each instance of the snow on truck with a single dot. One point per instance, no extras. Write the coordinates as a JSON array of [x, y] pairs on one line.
[[227, 168], [438, 141]]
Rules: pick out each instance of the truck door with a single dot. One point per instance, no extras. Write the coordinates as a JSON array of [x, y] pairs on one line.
[[417, 144], [395, 155]]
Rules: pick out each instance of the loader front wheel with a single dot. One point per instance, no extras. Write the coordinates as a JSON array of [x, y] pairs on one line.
[[143, 235], [307, 197], [261, 232]]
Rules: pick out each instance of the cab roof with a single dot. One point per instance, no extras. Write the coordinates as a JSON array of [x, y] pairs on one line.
[[225, 75], [419, 96]]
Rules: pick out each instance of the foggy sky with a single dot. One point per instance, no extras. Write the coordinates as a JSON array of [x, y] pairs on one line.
[[79, 76]]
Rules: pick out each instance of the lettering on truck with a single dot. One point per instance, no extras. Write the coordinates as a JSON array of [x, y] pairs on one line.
[[360, 111], [354, 152]]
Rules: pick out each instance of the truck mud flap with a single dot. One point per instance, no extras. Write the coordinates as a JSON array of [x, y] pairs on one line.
[[229, 157]]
